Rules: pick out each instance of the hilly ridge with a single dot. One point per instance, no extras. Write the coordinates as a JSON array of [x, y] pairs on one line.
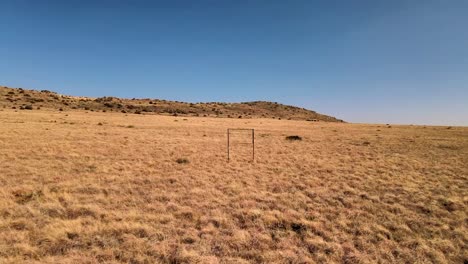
[[24, 99]]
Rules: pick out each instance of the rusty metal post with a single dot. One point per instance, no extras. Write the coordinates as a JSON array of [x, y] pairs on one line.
[[253, 145]]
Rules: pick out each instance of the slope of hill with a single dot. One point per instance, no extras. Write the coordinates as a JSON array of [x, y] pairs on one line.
[[23, 99]]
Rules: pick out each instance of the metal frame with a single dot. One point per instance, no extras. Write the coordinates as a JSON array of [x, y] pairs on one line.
[[239, 129]]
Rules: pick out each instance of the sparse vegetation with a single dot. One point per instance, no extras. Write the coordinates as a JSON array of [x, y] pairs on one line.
[[245, 110], [83, 194], [294, 138], [27, 107], [182, 160]]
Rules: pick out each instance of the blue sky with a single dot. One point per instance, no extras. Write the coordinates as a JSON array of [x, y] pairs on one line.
[[362, 61]]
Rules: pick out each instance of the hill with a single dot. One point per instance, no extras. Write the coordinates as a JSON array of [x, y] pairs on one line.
[[18, 98]]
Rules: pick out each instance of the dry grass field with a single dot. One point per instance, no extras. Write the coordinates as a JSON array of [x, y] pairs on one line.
[[97, 187]]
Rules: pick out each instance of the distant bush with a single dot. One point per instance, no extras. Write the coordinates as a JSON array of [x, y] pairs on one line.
[[26, 107], [104, 99], [450, 147], [293, 138], [182, 161]]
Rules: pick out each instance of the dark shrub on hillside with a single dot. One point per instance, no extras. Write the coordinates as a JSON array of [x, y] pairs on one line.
[[104, 99]]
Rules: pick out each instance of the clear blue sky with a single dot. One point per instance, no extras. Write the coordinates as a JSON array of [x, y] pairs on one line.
[[361, 61]]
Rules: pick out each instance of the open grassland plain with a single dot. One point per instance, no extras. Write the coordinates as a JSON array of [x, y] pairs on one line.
[[79, 187]]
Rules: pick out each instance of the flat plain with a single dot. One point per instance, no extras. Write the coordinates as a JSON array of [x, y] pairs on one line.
[[92, 187]]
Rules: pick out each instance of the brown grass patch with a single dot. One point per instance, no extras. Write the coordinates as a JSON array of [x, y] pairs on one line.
[[90, 194]]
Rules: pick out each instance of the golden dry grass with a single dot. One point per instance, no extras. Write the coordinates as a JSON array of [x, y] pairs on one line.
[[82, 187]]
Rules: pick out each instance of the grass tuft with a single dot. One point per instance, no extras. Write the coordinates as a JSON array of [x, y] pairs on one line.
[[182, 160], [293, 138]]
